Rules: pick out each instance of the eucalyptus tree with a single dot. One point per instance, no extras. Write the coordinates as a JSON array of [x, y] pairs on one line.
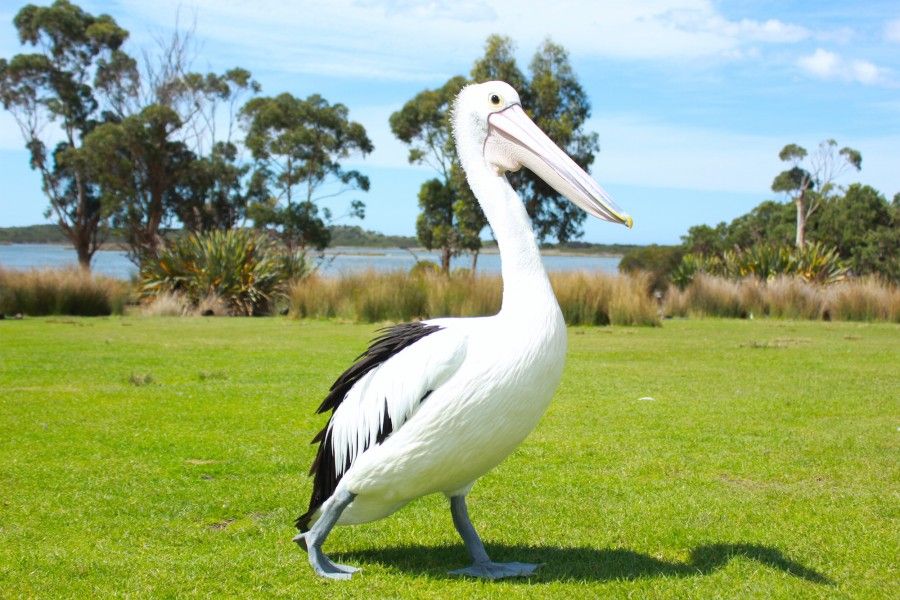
[[213, 192], [297, 146], [161, 155], [58, 95], [809, 186], [450, 218]]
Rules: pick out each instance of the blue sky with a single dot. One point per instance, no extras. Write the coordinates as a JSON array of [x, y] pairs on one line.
[[692, 100]]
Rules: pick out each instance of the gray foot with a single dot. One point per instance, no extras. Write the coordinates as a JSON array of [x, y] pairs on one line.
[[492, 570], [322, 565]]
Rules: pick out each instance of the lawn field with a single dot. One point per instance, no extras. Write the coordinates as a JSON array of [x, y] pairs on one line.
[[703, 459]]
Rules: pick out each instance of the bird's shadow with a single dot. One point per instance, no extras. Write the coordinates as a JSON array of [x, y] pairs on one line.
[[584, 563]]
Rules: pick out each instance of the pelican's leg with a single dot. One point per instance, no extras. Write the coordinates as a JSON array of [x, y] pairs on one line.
[[312, 540], [481, 564]]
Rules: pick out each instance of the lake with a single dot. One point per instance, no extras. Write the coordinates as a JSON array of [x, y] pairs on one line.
[[335, 261]]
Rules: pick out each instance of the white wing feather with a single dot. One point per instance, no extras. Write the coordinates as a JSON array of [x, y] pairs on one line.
[[395, 387]]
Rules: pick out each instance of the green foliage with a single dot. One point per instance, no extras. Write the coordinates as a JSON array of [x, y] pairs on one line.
[[64, 87], [212, 190], [450, 219], [770, 223], [657, 261], [813, 263], [125, 157], [297, 146], [139, 163], [32, 234], [864, 228], [354, 235], [809, 188], [60, 292], [424, 267], [556, 102], [241, 267], [859, 223]]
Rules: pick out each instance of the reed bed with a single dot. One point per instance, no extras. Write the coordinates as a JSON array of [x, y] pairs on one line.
[[61, 292], [864, 299], [585, 298]]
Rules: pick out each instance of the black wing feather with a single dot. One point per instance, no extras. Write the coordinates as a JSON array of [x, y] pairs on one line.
[[389, 342]]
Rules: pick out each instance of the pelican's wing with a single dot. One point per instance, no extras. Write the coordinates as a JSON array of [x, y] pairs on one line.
[[377, 395]]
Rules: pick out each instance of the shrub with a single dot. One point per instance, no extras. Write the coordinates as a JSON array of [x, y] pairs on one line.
[[659, 261], [242, 268], [61, 292], [814, 262]]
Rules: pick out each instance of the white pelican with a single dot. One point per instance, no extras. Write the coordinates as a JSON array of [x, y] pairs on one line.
[[432, 406]]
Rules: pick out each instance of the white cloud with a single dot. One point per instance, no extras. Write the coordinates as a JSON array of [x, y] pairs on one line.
[[892, 31], [406, 40], [821, 63], [829, 65]]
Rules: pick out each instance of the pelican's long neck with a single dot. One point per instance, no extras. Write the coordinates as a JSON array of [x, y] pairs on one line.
[[526, 288]]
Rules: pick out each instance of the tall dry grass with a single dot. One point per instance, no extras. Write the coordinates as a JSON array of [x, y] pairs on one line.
[[864, 299], [585, 299], [61, 292], [867, 299]]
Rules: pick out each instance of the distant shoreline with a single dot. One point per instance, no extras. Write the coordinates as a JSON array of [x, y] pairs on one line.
[[357, 250]]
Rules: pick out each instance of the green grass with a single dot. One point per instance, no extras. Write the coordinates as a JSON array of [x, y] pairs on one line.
[[167, 457]]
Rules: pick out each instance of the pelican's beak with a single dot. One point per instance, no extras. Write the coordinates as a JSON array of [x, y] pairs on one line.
[[514, 140]]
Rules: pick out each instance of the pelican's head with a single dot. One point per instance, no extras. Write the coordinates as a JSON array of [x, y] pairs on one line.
[[490, 116]]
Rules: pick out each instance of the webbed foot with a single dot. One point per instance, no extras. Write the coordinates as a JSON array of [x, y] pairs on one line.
[[492, 570], [321, 564]]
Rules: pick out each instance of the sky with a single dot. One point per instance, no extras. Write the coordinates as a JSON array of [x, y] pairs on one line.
[[692, 100]]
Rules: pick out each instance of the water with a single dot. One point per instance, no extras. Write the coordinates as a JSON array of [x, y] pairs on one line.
[[337, 260]]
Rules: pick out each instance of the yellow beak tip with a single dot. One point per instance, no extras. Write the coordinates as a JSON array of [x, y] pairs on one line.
[[629, 222]]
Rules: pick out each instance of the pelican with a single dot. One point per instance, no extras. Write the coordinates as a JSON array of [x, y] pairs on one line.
[[431, 406]]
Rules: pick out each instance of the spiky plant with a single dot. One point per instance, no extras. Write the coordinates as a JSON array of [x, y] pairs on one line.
[[243, 268]]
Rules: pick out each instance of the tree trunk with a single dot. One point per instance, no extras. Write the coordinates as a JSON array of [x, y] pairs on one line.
[[474, 261], [801, 220], [445, 260], [83, 247]]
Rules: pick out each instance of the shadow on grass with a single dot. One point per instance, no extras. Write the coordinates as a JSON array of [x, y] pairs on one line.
[[567, 564]]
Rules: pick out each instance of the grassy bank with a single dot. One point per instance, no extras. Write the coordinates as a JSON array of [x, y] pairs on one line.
[[704, 459]]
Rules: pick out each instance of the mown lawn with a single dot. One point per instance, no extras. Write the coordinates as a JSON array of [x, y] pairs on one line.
[[703, 459]]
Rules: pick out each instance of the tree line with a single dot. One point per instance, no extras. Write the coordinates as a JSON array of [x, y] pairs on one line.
[[856, 226], [139, 145]]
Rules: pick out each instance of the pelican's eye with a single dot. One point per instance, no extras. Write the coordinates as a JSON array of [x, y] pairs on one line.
[[495, 99]]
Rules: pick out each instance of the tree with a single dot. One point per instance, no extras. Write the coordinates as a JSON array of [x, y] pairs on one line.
[[864, 228], [809, 187], [556, 102], [770, 223], [67, 83], [704, 239], [450, 219], [213, 195], [559, 106], [152, 158], [297, 146], [552, 97], [140, 166]]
